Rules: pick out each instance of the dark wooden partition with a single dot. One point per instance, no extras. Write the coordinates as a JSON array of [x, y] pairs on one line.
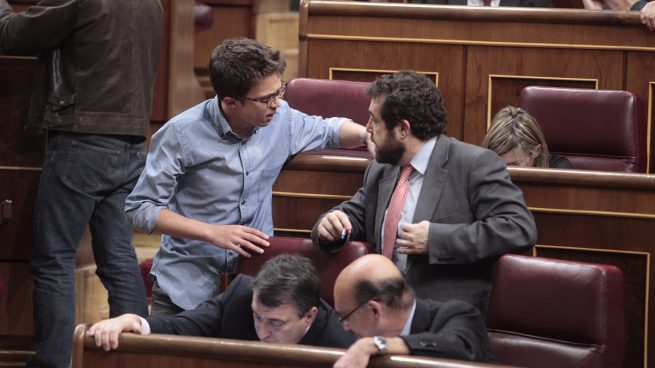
[[20, 165], [156, 351], [581, 215], [480, 57]]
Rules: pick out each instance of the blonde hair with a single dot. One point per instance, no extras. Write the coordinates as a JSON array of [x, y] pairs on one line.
[[514, 127]]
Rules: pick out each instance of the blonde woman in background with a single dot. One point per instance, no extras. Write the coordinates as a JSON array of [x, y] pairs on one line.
[[516, 137]]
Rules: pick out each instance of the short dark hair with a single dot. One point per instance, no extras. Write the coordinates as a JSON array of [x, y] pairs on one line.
[[394, 292], [238, 63], [288, 278], [411, 96]]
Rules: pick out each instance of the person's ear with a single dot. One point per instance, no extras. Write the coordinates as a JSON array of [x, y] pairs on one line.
[[230, 102], [405, 129], [310, 316], [535, 153], [375, 307], [538, 149]]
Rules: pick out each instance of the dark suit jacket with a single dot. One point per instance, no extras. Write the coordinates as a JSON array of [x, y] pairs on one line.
[[475, 212], [229, 315], [516, 3], [453, 330]]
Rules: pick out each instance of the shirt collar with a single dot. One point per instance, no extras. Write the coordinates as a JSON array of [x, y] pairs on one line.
[[408, 325], [422, 157], [222, 126]]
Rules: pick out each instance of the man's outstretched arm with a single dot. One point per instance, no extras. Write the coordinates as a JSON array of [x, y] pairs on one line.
[[106, 332]]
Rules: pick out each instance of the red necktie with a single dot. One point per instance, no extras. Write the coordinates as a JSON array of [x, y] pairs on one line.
[[394, 211], [486, 2]]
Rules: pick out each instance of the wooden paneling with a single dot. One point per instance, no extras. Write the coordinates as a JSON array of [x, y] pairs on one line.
[[303, 191], [231, 19], [16, 79], [16, 306], [469, 47], [557, 67], [267, 21], [19, 185], [374, 58], [641, 80], [20, 160]]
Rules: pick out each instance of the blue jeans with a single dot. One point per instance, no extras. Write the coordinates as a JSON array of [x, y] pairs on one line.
[[85, 181]]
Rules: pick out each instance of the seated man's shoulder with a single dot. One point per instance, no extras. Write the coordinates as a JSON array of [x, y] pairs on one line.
[[240, 283], [237, 294], [451, 308]]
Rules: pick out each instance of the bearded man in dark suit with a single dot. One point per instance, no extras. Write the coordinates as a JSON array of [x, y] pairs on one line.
[[461, 210]]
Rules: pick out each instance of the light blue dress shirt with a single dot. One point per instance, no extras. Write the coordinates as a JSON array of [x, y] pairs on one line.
[[407, 329], [197, 167]]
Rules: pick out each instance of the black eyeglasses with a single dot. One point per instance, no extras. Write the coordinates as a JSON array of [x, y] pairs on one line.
[[344, 318], [270, 99]]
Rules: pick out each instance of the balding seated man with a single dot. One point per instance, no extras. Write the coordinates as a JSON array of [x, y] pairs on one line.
[[378, 305], [282, 304]]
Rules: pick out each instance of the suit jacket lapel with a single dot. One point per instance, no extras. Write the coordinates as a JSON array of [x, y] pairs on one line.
[[434, 181], [385, 190], [421, 317]]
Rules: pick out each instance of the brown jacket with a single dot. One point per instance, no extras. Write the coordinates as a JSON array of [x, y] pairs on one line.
[[97, 62]]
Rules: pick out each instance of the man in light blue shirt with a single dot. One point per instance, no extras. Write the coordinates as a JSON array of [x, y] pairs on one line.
[[208, 180]]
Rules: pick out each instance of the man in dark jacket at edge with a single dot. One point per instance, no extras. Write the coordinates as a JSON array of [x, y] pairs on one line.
[[96, 66]]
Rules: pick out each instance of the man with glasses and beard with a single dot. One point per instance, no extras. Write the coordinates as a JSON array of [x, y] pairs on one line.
[[282, 304], [208, 179], [441, 209]]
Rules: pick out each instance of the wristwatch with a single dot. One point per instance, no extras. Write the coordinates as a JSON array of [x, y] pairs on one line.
[[381, 344]]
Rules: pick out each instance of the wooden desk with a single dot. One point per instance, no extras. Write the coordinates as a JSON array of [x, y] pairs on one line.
[[156, 351], [481, 58]]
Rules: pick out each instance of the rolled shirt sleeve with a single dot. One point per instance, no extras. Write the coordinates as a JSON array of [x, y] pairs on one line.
[[166, 162], [198, 168]]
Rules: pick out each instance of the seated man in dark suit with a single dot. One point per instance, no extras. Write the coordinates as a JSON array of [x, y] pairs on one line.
[[378, 305], [282, 304]]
